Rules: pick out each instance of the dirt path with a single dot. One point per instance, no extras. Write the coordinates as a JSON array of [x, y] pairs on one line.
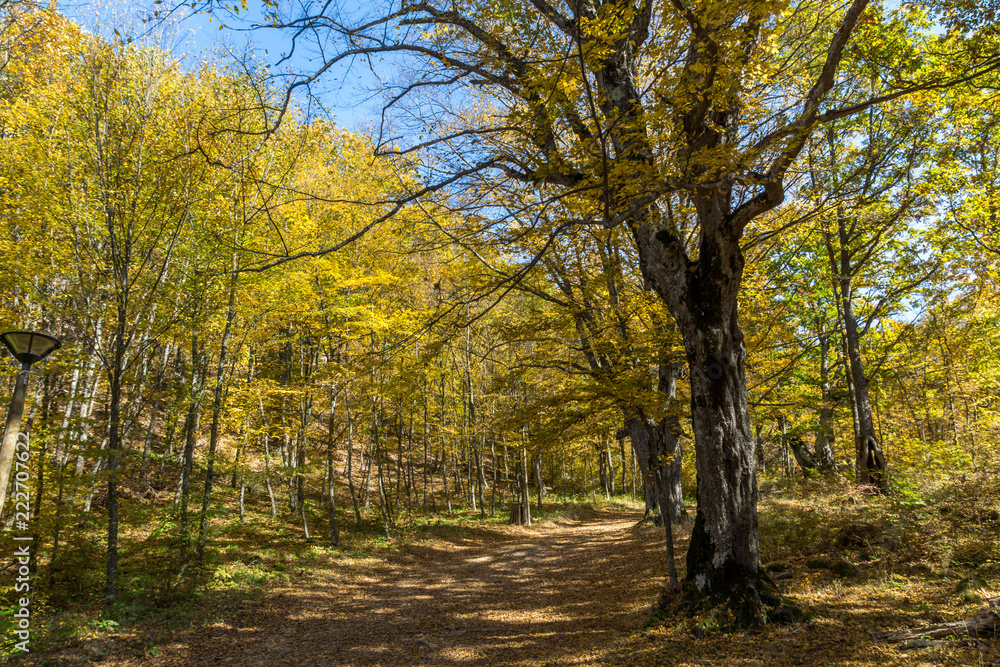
[[560, 593]]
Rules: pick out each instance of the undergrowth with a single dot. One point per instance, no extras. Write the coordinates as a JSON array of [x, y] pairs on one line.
[[163, 589], [935, 547]]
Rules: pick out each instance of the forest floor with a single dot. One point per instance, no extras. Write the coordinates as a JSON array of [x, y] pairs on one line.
[[578, 588], [560, 592]]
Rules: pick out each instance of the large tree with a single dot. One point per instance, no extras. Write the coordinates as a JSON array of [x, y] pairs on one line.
[[676, 120]]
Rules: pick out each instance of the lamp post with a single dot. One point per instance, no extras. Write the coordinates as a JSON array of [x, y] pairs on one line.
[[27, 347]]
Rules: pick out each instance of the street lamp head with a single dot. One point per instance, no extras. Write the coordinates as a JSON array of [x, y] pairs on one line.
[[29, 346]]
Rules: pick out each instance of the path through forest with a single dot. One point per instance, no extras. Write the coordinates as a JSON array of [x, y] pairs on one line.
[[563, 592]]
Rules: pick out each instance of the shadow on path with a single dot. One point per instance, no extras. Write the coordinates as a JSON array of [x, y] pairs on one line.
[[558, 594]]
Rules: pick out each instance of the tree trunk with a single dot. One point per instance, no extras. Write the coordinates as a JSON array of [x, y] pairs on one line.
[[620, 436], [870, 465], [305, 417], [428, 477], [350, 454], [411, 476], [520, 515], [539, 482], [524, 483], [786, 459], [333, 530], [605, 473], [802, 456], [444, 450], [155, 412], [823, 449], [723, 560], [213, 438], [377, 454], [640, 433], [114, 445], [481, 477], [870, 462], [760, 448], [493, 491], [665, 454], [611, 466], [191, 426], [985, 625], [267, 459], [87, 406]]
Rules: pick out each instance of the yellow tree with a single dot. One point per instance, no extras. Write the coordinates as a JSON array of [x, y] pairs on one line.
[[677, 121], [105, 138]]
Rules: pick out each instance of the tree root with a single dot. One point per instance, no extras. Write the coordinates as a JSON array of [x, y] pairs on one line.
[[752, 606]]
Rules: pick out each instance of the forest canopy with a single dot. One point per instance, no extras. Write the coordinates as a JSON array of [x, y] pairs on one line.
[[665, 250]]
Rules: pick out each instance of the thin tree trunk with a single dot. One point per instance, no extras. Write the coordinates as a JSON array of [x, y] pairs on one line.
[[191, 426], [114, 445], [267, 458], [823, 448], [62, 449], [871, 465], [621, 446], [87, 407], [243, 516], [539, 482], [350, 454], [428, 477], [377, 454], [525, 484], [444, 449], [666, 455], [333, 529], [213, 439], [480, 478], [57, 527], [493, 491]]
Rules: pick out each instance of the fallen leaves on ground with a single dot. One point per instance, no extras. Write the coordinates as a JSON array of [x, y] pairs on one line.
[[564, 592]]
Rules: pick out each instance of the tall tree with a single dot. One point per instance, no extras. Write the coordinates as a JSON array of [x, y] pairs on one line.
[[129, 136], [875, 260], [679, 122]]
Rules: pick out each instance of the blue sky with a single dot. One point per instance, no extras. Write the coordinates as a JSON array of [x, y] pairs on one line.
[[199, 37]]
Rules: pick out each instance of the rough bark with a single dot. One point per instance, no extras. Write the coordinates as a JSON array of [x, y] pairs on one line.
[[520, 515], [666, 450], [802, 456], [723, 561]]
